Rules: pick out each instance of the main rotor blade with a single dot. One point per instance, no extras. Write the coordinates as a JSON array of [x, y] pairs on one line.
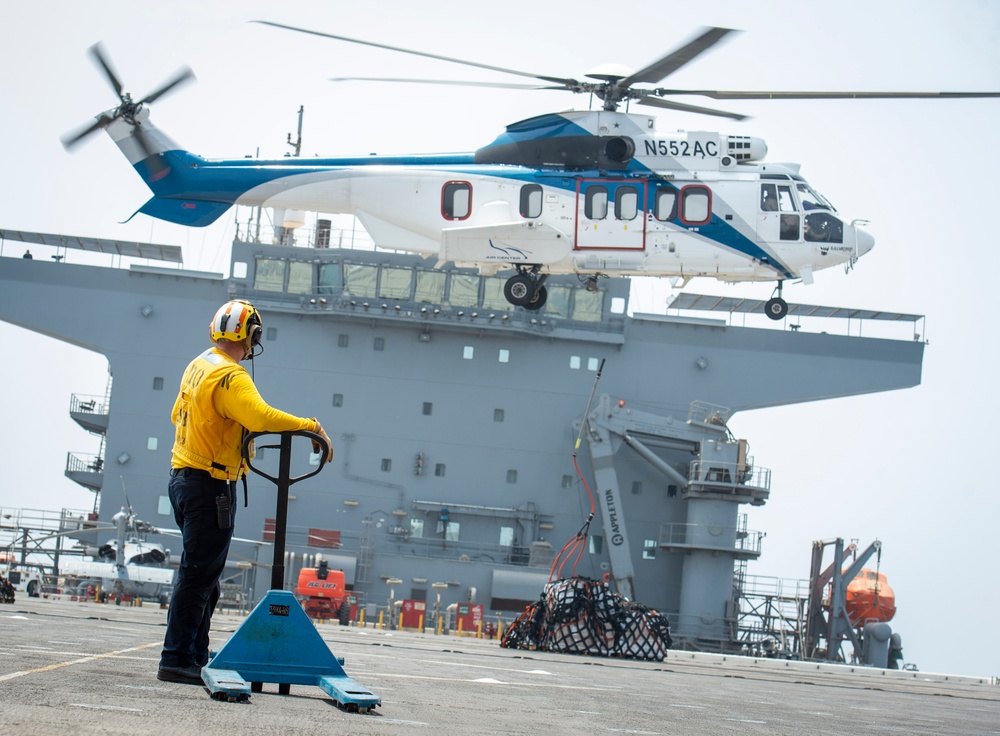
[[554, 80], [97, 51], [497, 85], [676, 59], [70, 141], [680, 106], [182, 76], [793, 95]]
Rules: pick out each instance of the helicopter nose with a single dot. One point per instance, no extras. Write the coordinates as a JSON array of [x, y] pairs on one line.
[[865, 240]]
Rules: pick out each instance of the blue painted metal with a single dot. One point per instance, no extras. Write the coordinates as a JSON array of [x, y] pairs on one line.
[[278, 642]]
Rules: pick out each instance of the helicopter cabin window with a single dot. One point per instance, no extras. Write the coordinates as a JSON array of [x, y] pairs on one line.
[[665, 204], [595, 206], [456, 200], [696, 205], [626, 203], [531, 200]]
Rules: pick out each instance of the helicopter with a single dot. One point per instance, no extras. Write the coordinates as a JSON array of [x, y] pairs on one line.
[[597, 193], [127, 565]]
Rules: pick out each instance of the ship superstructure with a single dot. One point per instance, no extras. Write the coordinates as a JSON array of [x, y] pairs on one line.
[[454, 417]]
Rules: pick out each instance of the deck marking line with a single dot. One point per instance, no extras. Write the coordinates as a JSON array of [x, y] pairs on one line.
[[91, 658]]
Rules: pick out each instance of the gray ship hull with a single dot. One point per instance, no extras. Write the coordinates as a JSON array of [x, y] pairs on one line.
[[456, 421]]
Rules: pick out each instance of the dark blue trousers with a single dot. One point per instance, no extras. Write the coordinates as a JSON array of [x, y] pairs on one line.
[[196, 588]]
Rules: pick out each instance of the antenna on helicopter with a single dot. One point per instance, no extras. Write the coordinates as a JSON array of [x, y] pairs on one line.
[[297, 145]]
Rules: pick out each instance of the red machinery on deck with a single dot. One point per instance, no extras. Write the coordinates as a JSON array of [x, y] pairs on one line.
[[323, 593]]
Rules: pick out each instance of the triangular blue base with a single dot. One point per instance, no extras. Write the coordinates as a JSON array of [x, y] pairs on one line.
[[279, 643]]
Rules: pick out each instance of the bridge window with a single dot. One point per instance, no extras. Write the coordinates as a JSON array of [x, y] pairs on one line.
[[269, 274], [331, 278], [626, 203], [531, 200], [464, 290], [665, 204], [696, 205], [595, 204], [456, 200], [300, 278], [360, 280], [395, 283], [430, 287]]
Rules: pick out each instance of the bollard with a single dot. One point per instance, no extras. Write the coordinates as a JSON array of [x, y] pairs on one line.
[[420, 627], [381, 619], [479, 630]]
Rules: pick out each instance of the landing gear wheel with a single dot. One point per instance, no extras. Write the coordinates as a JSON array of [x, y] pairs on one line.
[[520, 290], [776, 308], [541, 294]]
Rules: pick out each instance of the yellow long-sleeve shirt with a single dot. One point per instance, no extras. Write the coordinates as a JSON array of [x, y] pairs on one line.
[[217, 401]]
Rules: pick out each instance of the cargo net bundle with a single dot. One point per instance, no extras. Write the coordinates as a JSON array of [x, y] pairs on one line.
[[583, 616]]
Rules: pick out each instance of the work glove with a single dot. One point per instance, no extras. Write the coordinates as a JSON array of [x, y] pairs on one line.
[[316, 446]]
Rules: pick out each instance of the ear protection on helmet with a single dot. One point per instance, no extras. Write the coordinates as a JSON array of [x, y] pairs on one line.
[[236, 320]]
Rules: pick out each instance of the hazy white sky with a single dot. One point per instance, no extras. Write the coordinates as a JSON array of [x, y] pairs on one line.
[[908, 467]]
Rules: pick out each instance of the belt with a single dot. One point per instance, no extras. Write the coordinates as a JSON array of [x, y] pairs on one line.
[[188, 472]]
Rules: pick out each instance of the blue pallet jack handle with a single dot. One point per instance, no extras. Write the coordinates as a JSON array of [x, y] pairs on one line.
[[278, 642]]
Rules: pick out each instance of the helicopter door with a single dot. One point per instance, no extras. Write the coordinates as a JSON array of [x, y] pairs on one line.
[[610, 214], [778, 218]]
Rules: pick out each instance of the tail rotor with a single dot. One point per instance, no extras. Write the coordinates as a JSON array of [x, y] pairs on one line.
[[128, 110]]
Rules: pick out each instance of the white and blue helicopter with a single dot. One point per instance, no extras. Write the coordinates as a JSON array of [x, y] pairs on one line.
[[594, 193]]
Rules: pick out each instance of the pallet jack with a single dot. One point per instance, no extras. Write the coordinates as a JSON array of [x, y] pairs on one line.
[[278, 642]]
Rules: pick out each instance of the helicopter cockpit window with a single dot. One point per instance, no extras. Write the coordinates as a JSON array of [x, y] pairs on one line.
[[696, 205], [626, 203], [456, 200], [821, 227], [595, 206], [531, 200], [785, 201], [811, 199], [768, 198], [665, 204], [789, 227]]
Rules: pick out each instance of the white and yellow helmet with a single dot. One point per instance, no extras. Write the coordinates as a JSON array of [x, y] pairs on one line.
[[237, 321]]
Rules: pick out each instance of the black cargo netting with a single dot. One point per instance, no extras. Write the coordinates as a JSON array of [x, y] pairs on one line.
[[6, 591], [583, 616]]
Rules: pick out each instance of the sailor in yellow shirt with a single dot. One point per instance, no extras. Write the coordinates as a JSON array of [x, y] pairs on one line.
[[216, 406]]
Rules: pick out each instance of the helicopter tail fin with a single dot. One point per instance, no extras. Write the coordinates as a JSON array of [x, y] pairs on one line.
[[167, 171]]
